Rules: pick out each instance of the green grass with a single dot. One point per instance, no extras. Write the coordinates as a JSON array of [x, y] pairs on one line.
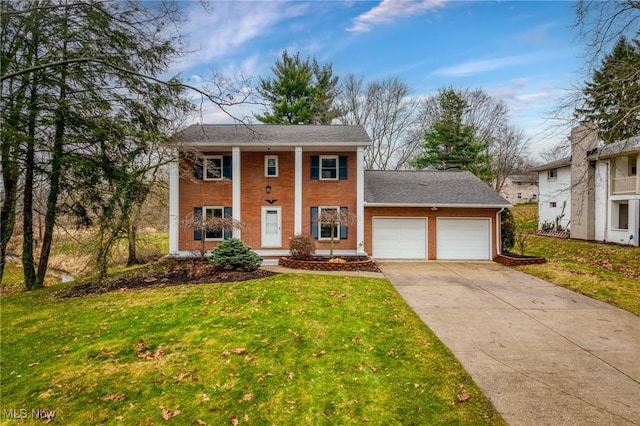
[[603, 271], [289, 349]]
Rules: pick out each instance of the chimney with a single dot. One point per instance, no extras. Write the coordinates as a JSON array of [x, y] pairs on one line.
[[584, 139]]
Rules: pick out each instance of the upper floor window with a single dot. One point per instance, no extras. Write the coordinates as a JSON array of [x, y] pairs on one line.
[[328, 167], [271, 165], [212, 167], [633, 166], [552, 174], [519, 195], [552, 204]]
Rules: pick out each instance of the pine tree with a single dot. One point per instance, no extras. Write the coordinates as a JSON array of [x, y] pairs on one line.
[[451, 144], [299, 93], [612, 98]]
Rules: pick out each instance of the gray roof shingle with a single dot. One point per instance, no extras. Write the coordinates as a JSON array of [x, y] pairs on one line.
[[621, 147], [429, 188], [564, 162], [272, 134]]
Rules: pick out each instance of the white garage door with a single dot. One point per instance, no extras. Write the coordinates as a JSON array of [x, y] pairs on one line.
[[400, 238], [464, 239]]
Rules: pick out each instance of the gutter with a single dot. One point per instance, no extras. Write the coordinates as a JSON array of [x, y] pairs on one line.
[[469, 206]]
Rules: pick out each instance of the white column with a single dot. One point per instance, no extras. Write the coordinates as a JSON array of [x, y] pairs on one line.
[[235, 179], [360, 200], [297, 193], [174, 206]]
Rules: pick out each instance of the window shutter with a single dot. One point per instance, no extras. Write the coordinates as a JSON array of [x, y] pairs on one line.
[[197, 228], [228, 232], [342, 167], [314, 224], [315, 167], [226, 167], [198, 168], [344, 232]]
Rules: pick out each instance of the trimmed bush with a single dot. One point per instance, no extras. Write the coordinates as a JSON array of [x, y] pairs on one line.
[[507, 230], [234, 255], [302, 247]]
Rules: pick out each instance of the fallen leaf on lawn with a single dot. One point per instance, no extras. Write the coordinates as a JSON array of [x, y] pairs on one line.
[[463, 396], [46, 394], [290, 374], [166, 414], [33, 363], [239, 351], [319, 354], [113, 397], [247, 397], [234, 420], [205, 397], [200, 422], [226, 353]]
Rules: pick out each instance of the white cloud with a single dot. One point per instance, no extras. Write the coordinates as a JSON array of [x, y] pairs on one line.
[[390, 10], [475, 67]]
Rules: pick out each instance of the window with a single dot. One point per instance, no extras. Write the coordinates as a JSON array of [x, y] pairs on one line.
[[271, 165], [633, 166], [212, 167], [519, 195], [623, 215], [328, 167], [552, 204], [328, 230], [211, 227], [552, 174]]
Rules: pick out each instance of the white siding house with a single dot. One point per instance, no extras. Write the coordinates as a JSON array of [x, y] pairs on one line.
[[554, 200]]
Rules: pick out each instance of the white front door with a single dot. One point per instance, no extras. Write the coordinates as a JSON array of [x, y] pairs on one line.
[[271, 227]]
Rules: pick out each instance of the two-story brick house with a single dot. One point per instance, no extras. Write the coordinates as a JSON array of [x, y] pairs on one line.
[[277, 179]]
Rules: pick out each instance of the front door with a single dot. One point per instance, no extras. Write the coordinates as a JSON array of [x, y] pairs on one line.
[[271, 227]]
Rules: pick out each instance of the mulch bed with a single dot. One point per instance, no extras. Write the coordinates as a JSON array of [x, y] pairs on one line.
[[323, 263], [164, 274], [514, 259]]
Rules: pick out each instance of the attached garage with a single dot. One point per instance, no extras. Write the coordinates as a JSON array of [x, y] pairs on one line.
[[399, 238], [464, 239], [434, 215]]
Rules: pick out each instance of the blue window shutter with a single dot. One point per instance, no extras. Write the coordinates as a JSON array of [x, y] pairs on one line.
[[342, 167], [228, 232], [198, 168], [226, 167], [314, 224], [315, 167], [344, 232], [197, 228]]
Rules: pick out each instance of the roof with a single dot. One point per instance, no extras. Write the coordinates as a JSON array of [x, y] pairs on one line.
[[621, 147], [565, 162], [273, 134], [428, 188], [525, 178]]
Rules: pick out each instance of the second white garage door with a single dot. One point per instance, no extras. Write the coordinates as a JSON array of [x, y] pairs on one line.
[[400, 238], [464, 239]]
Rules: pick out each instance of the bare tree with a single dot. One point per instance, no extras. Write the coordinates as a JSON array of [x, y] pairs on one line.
[[209, 224], [556, 152], [387, 111], [508, 154]]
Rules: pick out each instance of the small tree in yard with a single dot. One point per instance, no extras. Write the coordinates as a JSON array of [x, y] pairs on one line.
[[331, 220], [234, 255], [507, 230], [526, 222], [208, 223]]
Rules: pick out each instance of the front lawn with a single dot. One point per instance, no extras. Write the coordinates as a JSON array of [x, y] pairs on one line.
[[605, 272], [289, 349]]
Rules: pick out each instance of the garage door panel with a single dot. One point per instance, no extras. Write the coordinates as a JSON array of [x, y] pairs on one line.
[[400, 238], [464, 239]]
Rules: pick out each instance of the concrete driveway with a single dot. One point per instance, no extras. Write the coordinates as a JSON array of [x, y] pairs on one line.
[[544, 355]]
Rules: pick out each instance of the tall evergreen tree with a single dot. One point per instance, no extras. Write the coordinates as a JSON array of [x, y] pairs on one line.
[[452, 144], [299, 93], [612, 98]]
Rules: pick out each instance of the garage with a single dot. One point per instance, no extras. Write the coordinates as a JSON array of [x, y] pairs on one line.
[[400, 238], [464, 239]]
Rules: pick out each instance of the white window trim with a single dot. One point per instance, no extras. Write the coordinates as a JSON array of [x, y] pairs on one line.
[[204, 215], [266, 165], [320, 237], [327, 157], [552, 178], [205, 160]]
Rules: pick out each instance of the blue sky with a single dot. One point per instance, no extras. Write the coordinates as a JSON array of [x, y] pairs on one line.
[[524, 52]]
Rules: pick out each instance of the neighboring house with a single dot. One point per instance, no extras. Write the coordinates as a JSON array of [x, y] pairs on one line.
[[518, 189], [277, 179], [600, 185], [554, 186]]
